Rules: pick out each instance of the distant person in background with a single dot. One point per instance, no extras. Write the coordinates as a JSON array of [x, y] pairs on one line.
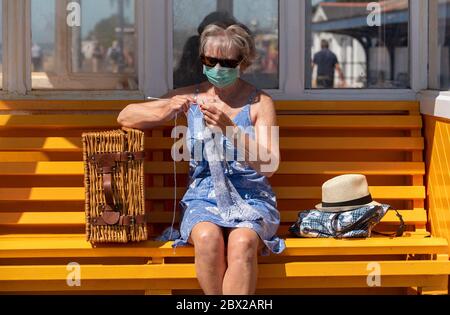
[[97, 57], [37, 57], [115, 56], [327, 63]]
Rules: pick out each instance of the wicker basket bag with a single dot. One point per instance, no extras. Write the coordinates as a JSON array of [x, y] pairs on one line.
[[114, 186]]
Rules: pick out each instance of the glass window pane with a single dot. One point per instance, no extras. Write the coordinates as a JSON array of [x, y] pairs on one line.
[[440, 44], [108, 37], [191, 16], [99, 53], [358, 44]]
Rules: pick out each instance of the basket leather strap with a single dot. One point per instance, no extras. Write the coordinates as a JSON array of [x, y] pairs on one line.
[[110, 158], [124, 220], [106, 163]]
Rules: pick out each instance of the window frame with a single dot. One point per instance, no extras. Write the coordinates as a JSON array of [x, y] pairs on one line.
[[154, 35], [18, 52], [434, 63], [282, 41], [63, 48], [418, 70], [434, 102]]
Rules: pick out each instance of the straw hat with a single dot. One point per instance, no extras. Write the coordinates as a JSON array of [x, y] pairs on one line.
[[346, 192]]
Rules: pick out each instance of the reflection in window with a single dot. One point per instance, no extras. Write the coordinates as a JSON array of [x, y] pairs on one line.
[[43, 40], [100, 53], [108, 37], [191, 17], [358, 44], [440, 44]]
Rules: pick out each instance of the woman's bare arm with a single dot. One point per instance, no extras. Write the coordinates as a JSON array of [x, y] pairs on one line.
[[152, 114], [266, 140]]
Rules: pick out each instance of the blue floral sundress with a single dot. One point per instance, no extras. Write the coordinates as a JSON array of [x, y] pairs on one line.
[[199, 203]]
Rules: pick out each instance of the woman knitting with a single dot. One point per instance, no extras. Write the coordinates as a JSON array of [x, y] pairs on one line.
[[229, 209]]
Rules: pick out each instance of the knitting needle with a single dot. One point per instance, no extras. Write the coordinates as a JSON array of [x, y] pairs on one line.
[[157, 98], [165, 99]]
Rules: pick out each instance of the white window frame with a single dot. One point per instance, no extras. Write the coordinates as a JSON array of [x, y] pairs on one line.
[[16, 47], [17, 75], [434, 102], [154, 26], [283, 47], [418, 65]]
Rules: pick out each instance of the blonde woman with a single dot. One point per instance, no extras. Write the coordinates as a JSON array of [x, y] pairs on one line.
[[226, 252]]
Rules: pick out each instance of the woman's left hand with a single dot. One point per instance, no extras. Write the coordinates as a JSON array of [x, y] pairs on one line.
[[214, 117]]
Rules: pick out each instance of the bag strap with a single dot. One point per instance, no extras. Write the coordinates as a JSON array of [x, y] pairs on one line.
[[400, 229], [124, 220], [106, 164], [357, 224], [364, 220]]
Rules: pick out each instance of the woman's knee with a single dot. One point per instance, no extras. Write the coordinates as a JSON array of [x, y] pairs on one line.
[[207, 238], [243, 244]]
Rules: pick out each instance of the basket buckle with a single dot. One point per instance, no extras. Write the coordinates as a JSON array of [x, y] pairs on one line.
[[130, 156]]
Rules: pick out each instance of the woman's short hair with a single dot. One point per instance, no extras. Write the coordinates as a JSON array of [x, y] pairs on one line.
[[235, 36]]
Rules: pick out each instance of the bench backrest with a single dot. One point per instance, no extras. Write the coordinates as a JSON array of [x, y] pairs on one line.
[[41, 169]]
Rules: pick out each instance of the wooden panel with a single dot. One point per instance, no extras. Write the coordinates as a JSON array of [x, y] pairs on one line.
[[34, 246], [187, 271], [81, 105], [410, 106], [264, 283], [437, 133], [160, 193], [73, 144], [78, 218], [289, 121], [89, 105], [367, 168]]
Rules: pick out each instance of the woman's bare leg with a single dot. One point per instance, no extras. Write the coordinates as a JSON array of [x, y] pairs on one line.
[[210, 263], [240, 278]]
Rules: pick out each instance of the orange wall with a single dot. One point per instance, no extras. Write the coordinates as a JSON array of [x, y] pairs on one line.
[[437, 135]]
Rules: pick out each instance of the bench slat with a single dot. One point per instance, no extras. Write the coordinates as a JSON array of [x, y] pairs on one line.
[[187, 271], [79, 218], [339, 106], [48, 194], [357, 285], [73, 144], [288, 121], [35, 245], [366, 168], [93, 105], [20, 156]]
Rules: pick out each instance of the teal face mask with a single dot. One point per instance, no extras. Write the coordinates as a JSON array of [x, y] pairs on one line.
[[221, 77]]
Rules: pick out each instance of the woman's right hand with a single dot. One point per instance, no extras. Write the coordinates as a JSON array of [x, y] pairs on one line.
[[151, 114], [180, 103]]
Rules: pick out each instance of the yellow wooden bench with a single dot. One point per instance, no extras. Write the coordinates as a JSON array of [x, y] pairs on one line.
[[42, 214]]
